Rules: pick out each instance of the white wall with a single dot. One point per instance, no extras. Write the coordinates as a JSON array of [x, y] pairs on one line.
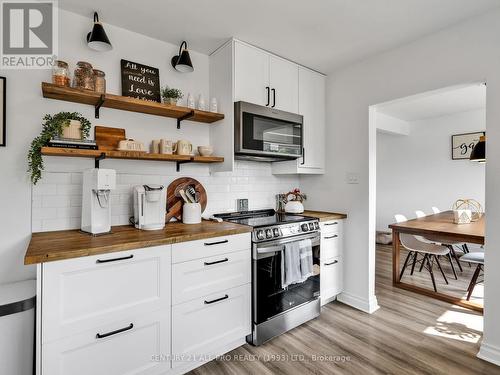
[[26, 107], [416, 172], [465, 53]]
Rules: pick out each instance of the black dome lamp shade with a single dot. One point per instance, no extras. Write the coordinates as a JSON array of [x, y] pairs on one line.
[[182, 62], [97, 38], [479, 151]]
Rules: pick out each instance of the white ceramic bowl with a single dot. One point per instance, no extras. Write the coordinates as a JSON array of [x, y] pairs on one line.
[[205, 150]]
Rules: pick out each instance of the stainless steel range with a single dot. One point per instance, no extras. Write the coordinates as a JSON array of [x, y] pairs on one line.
[[277, 308]]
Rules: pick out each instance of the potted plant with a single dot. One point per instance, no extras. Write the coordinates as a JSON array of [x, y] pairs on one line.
[[53, 126], [171, 95], [294, 200]]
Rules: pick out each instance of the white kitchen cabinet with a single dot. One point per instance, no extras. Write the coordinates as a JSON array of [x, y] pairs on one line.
[[202, 326], [312, 98], [331, 278], [138, 345], [251, 75], [284, 83]]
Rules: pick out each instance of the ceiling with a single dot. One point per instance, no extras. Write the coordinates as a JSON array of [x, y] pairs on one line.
[[321, 34], [437, 103]]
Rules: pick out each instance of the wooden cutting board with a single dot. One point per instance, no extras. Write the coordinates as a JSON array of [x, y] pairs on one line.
[[108, 138], [175, 201]]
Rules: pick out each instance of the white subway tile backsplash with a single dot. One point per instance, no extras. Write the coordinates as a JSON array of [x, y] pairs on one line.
[[57, 199]]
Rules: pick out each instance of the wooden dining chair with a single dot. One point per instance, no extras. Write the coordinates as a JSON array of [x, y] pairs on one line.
[[430, 252], [477, 258]]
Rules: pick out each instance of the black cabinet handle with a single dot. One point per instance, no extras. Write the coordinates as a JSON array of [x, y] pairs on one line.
[[215, 243], [103, 335], [268, 99], [274, 97], [216, 262], [335, 223], [216, 300], [114, 259], [334, 262], [303, 156], [330, 237]]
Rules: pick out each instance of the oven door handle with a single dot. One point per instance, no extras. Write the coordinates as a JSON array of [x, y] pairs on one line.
[[278, 245]]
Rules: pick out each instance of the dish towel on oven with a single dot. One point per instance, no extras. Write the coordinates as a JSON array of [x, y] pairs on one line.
[[296, 262]]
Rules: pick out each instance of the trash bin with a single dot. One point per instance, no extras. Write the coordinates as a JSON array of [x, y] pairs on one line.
[[17, 327]]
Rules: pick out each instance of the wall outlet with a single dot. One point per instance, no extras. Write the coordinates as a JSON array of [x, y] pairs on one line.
[[241, 204], [352, 178]]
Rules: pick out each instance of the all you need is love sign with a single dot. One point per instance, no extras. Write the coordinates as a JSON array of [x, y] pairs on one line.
[[140, 81]]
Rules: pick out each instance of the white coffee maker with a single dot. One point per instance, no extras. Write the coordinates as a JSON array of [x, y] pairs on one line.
[[96, 206], [150, 204]]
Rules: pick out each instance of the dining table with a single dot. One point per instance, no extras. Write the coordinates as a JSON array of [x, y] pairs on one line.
[[440, 228]]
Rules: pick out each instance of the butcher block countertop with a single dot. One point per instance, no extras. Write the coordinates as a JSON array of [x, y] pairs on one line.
[[67, 244], [325, 216]]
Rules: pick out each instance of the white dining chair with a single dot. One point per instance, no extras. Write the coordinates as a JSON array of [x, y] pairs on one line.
[[436, 210], [420, 214], [477, 258], [430, 251]]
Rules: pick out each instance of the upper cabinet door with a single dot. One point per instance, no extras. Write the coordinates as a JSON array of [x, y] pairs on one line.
[[312, 107], [251, 75], [284, 79]]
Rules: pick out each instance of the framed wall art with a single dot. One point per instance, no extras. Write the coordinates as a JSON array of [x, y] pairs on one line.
[[462, 144]]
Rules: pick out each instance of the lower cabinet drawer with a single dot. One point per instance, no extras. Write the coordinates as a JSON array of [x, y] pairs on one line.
[[332, 226], [331, 245], [134, 346], [330, 278], [202, 326], [203, 276], [82, 293]]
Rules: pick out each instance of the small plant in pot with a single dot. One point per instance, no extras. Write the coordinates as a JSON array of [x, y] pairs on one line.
[[171, 95], [294, 200], [57, 125]]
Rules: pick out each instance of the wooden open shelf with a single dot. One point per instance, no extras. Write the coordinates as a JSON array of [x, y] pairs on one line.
[[130, 155], [98, 100]]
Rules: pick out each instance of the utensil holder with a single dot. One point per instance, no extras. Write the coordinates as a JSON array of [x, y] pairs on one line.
[[191, 213]]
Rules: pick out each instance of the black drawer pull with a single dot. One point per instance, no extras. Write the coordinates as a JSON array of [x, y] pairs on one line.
[[330, 237], [216, 262], [215, 243], [334, 262], [114, 259], [101, 336], [335, 223], [216, 300]]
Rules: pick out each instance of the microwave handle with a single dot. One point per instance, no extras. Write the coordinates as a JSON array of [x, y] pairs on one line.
[[268, 96]]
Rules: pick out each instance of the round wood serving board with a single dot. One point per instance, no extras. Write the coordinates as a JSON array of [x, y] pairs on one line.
[[175, 201]]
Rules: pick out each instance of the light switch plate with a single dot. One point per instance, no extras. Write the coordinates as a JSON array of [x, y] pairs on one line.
[[241, 204], [352, 178]]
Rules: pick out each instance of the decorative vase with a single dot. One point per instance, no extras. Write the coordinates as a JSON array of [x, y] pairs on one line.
[[73, 130], [294, 207]]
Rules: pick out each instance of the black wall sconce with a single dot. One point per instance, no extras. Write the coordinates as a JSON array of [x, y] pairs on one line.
[[182, 62], [97, 38]]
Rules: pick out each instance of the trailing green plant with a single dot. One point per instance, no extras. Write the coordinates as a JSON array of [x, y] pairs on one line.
[[51, 127], [171, 93]]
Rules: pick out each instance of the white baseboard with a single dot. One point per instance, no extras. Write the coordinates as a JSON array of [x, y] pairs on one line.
[[489, 353], [368, 306]]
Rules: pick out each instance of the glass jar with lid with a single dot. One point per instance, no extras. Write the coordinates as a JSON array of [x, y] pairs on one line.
[[84, 76], [99, 81], [60, 73]]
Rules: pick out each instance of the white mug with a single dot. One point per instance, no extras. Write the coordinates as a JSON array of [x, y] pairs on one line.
[[166, 146], [183, 147]]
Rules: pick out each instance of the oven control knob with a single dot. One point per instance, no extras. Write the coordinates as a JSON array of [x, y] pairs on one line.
[[276, 232], [316, 225], [260, 234], [304, 227], [269, 233], [311, 226]]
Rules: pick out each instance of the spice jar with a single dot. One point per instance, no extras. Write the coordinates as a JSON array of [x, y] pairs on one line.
[[84, 76], [99, 81], [60, 73]]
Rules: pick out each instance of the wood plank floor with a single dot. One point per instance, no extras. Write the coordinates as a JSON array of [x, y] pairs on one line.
[[409, 334]]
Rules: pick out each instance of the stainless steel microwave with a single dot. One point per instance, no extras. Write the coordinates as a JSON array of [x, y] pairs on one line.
[[266, 134]]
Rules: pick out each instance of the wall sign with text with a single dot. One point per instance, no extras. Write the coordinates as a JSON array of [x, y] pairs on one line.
[[462, 144], [140, 81]]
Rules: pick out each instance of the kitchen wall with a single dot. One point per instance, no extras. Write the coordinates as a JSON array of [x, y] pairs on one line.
[[467, 52], [26, 107], [416, 172]]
